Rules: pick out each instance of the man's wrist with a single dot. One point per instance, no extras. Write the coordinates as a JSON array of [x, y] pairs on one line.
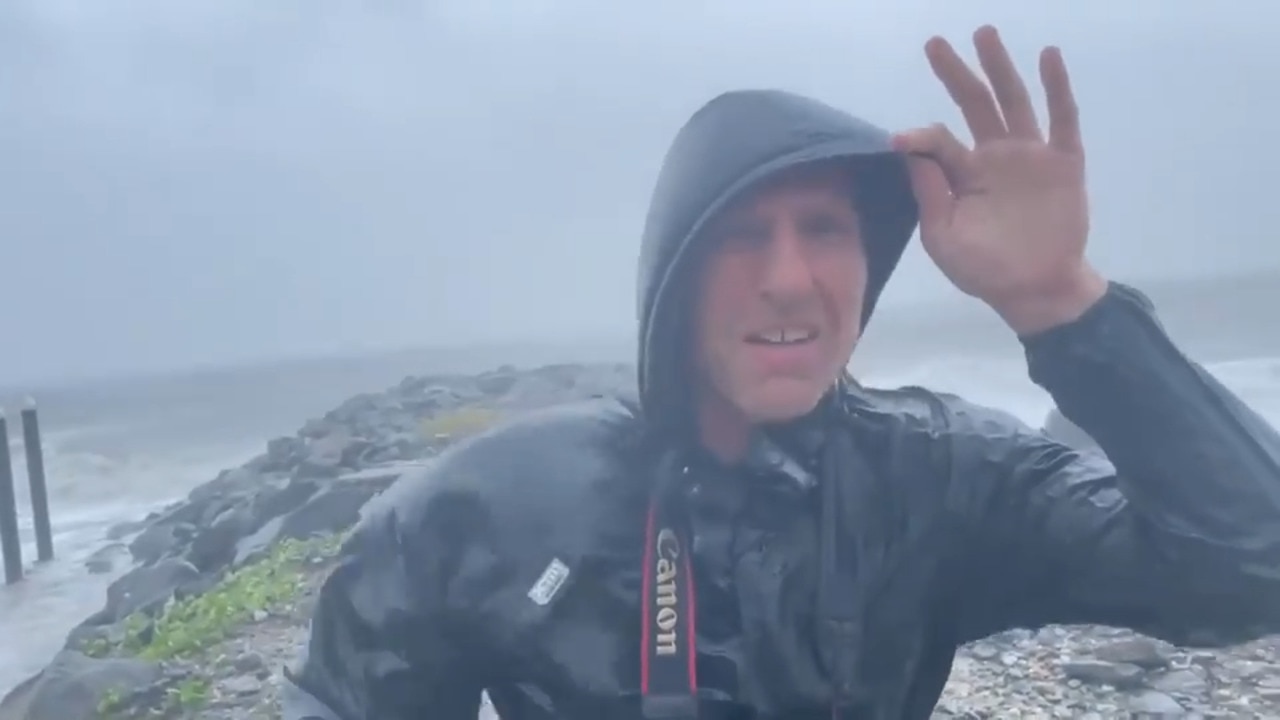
[[1033, 314]]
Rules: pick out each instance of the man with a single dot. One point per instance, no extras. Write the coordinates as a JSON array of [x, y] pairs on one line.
[[759, 537]]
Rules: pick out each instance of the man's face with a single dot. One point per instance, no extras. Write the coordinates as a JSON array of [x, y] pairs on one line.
[[781, 299]]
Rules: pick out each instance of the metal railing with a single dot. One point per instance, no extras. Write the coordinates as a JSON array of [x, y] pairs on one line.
[[10, 540]]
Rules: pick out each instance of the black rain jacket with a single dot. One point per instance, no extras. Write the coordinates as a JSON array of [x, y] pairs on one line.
[[588, 562]]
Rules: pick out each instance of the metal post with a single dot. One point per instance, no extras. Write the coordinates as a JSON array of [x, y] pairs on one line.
[[39, 487], [10, 543]]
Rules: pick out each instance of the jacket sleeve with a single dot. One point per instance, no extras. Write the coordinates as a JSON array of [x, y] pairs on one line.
[[387, 637], [1174, 533]]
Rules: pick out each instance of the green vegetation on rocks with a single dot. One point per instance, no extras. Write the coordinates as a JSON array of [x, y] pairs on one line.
[[188, 628], [459, 424], [193, 624]]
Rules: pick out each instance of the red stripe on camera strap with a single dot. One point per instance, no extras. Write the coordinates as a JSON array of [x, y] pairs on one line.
[[668, 633], [668, 639]]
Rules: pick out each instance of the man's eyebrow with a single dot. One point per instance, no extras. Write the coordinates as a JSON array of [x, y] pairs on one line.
[[736, 222]]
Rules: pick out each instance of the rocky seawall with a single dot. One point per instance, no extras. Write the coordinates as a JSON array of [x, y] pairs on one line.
[[220, 584], [216, 597]]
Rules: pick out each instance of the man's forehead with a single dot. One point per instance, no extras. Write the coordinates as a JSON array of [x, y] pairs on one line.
[[833, 174], [830, 178]]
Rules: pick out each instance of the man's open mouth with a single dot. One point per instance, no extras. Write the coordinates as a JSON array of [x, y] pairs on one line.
[[787, 335]]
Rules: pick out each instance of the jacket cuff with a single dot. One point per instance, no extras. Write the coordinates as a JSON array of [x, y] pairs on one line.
[[1120, 333]]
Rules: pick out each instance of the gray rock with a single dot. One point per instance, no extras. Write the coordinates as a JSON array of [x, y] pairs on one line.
[[74, 686], [314, 428], [250, 663], [283, 454], [328, 456], [146, 589], [159, 541], [330, 511], [1119, 675], [83, 636], [497, 382], [103, 560], [334, 507], [214, 546], [1180, 682], [229, 483], [428, 399], [1146, 653], [241, 685], [984, 651], [1151, 702], [123, 530], [277, 500]]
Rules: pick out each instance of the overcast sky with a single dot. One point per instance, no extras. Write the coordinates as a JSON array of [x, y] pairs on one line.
[[197, 181]]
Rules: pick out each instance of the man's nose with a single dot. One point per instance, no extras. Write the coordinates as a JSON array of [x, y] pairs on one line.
[[787, 274]]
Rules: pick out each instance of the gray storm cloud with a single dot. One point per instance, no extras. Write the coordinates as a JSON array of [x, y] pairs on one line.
[[219, 180]]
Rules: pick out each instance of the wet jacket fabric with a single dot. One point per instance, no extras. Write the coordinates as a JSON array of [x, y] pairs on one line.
[[588, 561]]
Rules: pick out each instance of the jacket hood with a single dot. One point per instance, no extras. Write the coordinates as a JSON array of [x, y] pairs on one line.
[[729, 145]]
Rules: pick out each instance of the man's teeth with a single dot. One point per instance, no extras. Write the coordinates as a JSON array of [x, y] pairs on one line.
[[783, 336]]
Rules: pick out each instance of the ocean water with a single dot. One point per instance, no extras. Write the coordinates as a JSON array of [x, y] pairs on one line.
[[118, 449]]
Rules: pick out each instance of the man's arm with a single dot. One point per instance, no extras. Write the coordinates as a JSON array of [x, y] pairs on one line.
[[1176, 533], [387, 638]]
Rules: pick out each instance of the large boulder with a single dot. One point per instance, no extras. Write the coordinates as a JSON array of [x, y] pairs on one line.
[[145, 589], [332, 508], [74, 686]]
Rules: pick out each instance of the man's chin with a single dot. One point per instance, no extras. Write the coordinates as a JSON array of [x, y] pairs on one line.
[[781, 400]]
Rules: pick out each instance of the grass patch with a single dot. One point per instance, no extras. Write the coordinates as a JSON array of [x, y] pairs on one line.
[[193, 624], [189, 627], [187, 695], [460, 423]]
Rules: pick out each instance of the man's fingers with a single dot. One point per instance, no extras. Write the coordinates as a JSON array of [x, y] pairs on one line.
[[1010, 91], [938, 143], [1064, 116], [967, 90], [933, 193]]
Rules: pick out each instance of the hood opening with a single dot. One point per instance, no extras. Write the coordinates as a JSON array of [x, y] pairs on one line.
[[730, 145]]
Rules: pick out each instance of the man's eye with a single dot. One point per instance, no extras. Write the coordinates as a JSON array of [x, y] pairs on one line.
[[830, 229]]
